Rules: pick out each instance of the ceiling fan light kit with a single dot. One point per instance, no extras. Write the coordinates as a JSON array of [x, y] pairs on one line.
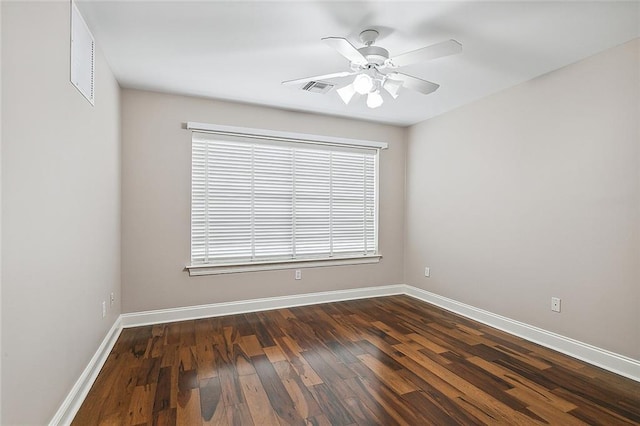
[[374, 99], [392, 87], [367, 62], [346, 93], [363, 84]]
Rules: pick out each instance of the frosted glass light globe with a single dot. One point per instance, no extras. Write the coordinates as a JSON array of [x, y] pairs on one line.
[[374, 100], [346, 93], [363, 84]]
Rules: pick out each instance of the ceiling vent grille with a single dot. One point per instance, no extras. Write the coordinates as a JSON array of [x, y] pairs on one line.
[[318, 87], [83, 55]]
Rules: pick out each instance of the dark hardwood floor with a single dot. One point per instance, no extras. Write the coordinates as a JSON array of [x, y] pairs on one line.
[[391, 360]]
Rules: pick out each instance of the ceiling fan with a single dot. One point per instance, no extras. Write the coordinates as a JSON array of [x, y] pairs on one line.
[[368, 62]]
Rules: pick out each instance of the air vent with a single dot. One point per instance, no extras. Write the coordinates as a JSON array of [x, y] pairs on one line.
[[82, 55], [317, 87]]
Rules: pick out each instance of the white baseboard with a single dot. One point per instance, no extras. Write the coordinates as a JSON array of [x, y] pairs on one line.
[[611, 361], [603, 358], [136, 319], [75, 398]]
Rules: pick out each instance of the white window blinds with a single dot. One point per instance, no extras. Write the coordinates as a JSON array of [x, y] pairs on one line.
[[258, 200]]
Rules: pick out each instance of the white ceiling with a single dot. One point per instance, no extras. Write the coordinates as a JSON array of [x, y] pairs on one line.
[[241, 50]]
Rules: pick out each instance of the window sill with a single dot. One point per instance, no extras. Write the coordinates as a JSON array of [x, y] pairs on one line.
[[273, 265]]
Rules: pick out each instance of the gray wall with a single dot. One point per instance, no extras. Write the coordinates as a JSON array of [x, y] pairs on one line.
[[61, 212], [533, 193], [156, 182]]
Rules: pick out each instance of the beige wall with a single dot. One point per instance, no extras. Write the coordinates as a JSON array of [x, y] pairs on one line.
[[0, 213], [156, 182], [527, 194], [61, 212], [533, 193]]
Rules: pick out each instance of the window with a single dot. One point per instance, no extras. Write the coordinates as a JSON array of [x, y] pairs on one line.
[[273, 201]]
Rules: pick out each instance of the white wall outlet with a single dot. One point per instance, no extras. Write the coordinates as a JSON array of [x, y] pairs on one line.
[[104, 309], [427, 272], [112, 299], [555, 304], [298, 274]]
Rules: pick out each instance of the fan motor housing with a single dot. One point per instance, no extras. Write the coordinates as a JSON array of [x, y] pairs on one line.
[[374, 54]]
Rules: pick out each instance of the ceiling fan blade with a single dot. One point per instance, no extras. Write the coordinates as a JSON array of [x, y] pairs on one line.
[[438, 50], [346, 49], [320, 77], [414, 83]]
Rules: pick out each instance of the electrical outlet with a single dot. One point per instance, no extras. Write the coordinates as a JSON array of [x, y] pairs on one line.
[[555, 304], [298, 274], [104, 309], [427, 272], [112, 299]]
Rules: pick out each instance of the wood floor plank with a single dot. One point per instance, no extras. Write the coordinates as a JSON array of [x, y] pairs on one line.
[[279, 398], [230, 385], [388, 361], [258, 403], [342, 352], [188, 411], [548, 412], [219, 415], [141, 405], [274, 353], [210, 397], [162, 397], [205, 341], [380, 350], [360, 412], [237, 415], [302, 367], [303, 401], [429, 377], [387, 375], [426, 343], [330, 375], [392, 404], [431, 412], [251, 346], [592, 413], [333, 408], [525, 389], [439, 399], [361, 394]]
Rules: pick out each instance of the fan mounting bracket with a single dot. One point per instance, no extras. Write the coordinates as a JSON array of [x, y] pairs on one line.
[[368, 37], [375, 55]]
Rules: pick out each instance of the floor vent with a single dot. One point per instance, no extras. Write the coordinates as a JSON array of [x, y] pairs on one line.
[[317, 87]]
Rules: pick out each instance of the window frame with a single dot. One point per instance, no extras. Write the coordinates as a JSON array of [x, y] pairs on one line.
[[260, 135]]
